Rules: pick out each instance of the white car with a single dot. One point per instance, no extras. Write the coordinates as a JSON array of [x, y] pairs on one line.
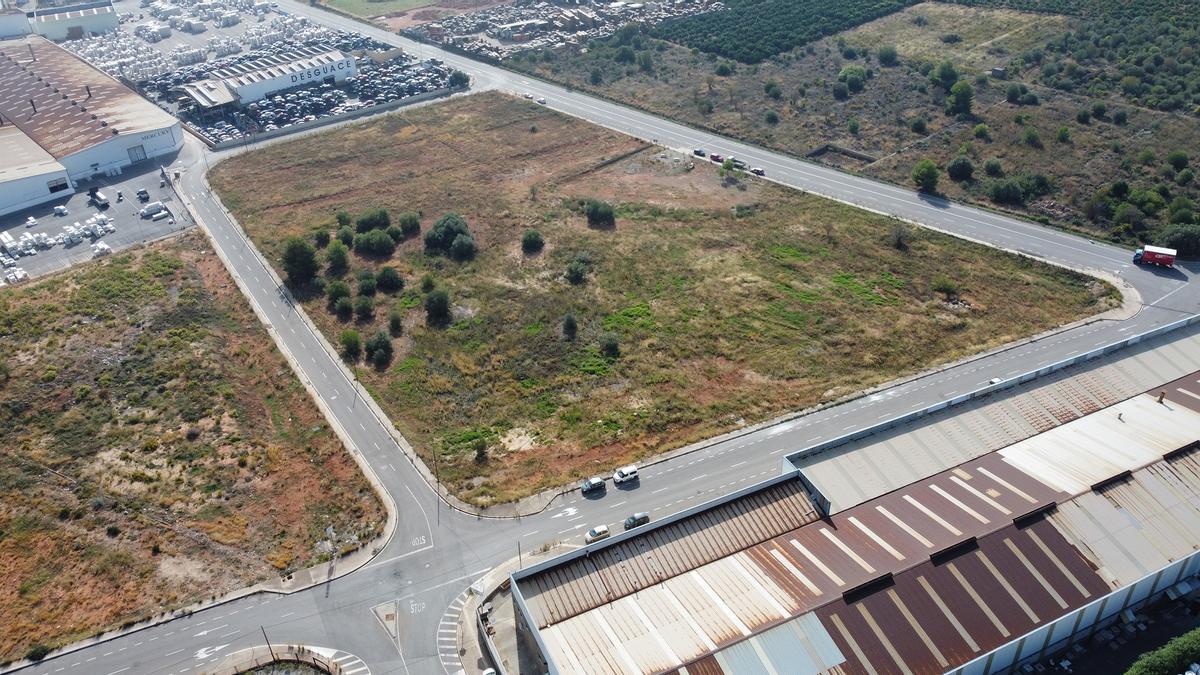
[[996, 380], [596, 534], [542, 101], [625, 474], [527, 95]]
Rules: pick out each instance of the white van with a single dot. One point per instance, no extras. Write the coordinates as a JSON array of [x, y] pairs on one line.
[[100, 200], [625, 474]]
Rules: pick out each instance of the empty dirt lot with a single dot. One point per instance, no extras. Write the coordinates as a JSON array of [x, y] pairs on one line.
[[157, 448], [732, 300]]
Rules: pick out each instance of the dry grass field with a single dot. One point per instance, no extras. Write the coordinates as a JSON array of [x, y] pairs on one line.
[[157, 448], [732, 300]]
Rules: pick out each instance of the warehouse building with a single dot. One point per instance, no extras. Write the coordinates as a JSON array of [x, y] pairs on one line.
[[13, 22], [75, 22], [257, 79], [63, 121], [983, 566]]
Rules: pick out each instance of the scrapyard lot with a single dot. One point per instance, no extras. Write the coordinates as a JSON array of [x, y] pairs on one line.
[[729, 300], [157, 449]]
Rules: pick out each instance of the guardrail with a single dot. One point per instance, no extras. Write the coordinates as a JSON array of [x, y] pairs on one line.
[[790, 460]]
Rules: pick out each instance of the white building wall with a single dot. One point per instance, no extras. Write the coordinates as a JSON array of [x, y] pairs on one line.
[[22, 193], [57, 29], [114, 154], [339, 70], [13, 24]]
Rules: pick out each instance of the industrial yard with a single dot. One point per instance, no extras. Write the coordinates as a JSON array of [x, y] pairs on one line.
[[524, 25], [236, 71]]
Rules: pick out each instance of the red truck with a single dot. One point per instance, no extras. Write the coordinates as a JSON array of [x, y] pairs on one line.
[[1154, 255]]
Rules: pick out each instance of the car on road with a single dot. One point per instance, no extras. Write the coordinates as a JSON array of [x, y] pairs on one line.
[[596, 534], [593, 484], [527, 95], [636, 520], [542, 101], [757, 171], [700, 152], [716, 158], [996, 380], [625, 474], [143, 195]]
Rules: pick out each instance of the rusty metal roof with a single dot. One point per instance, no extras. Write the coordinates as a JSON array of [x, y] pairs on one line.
[[64, 104], [917, 580], [614, 572]]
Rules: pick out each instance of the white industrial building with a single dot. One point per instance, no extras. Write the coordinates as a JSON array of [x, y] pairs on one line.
[[63, 120], [13, 22], [257, 79], [74, 22]]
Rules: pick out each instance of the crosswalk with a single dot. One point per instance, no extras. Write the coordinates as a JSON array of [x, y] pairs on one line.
[[349, 664], [447, 636]]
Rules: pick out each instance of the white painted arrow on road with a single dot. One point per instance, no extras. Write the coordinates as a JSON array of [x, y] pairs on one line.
[[209, 651], [209, 630]]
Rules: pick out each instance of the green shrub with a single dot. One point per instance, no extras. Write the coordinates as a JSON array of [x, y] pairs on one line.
[[364, 307], [366, 283], [389, 280], [37, 652], [599, 213], [925, 174], [410, 224], [345, 235], [610, 346], [463, 248], [993, 168], [335, 291], [946, 286], [960, 169], [1173, 657], [344, 308], [375, 219], [569, 327], [437, 307], [337, 259], [299, 261], [374, 243], [441, 236], [379, 350], [887, 55], [532, 242], [351, 344], [982, 132], [321, 238]]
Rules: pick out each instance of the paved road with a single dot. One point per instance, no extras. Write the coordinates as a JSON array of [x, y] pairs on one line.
[[436, 552]]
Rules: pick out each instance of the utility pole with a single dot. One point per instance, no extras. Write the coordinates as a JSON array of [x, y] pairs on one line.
[[520, 564], [269, 649], [437, 478]]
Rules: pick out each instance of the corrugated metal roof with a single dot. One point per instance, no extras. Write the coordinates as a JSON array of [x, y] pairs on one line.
[[1137, 525], [628, 567], [929, 576], [44, 91], [888, 461]]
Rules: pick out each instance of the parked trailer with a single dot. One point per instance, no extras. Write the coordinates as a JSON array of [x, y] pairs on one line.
[[1154, 255]]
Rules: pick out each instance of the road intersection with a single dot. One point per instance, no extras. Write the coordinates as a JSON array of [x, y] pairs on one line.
[[436, 551]]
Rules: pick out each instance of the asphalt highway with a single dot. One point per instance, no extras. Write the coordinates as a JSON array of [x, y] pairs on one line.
[[436, 552]]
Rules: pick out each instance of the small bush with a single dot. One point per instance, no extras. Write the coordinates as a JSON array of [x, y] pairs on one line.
[[599, 213], [1178, 159], [532, 242], [960, 169], [375, 219], [321, 238], [840, 91], [944, 285], [441, 236], [576, 272], [993, 168], [389, 280], [379, 350], [299, 261], [335, 291], [1031, 137], [112, 531], [887, 55], [1083, 116], [374, 243], [463, 248], [37, 652], [1120, 117], [364, 307], [395, 322], [343, 219], [344, 308], [610, 346], [569, 327], [351, 344], [337, 259], [925, 174], [366, 283], [918, 125], [982, 132], [396, 234], [1063, 135], [410, 224], [345, 235], [437, 307], [771, 117]]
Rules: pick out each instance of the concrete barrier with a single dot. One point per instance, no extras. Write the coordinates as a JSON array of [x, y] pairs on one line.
[[790, 460]]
